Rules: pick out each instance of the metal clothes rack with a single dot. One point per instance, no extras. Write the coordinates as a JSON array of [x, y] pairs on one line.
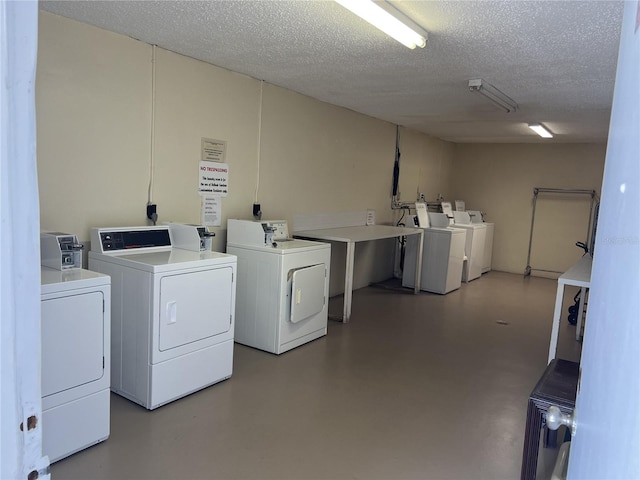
[[536, 191]]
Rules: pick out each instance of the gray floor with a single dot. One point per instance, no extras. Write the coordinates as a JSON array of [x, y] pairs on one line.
[[414, 387]]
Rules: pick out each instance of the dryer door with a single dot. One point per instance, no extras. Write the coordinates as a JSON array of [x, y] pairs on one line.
[[194, 306], [72, 341], [307, 292]]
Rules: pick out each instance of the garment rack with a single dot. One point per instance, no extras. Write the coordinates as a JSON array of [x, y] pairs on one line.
[[564, 191]]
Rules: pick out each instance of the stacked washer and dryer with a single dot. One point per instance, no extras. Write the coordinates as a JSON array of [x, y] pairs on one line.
[[172, 309], [443, 254], [75, 358], [283, 285]]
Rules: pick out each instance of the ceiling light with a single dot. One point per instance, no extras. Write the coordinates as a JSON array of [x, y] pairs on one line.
[[498, 98], [540, 130], [386, 18]]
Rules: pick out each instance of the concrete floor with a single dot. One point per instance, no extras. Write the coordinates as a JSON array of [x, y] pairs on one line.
[[414, 387]]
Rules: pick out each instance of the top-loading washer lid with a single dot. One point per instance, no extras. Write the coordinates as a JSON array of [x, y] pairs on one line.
[[438, 220], [475, 215], [461, 218]]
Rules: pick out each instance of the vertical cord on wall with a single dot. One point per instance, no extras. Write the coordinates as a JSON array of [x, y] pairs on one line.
[[259, 142], [394, 199], [153, 106], [257, 212], [396, 165], [151, 210]]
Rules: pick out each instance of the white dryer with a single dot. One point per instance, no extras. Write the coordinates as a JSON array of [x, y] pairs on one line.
[[75, 330], [442, 258], [283, 285], [173, 313], [474, 245]]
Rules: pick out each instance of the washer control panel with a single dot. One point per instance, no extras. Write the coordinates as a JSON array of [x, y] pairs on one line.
[[256, 233], [107, 240]]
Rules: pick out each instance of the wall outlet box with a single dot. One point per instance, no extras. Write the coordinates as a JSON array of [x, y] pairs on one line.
[[151, 210]]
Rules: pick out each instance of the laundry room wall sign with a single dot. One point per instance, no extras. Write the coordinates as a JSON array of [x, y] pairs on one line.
[[213, 179], [213, 150]]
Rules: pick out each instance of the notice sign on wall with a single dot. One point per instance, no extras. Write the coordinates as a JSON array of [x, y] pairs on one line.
[[213, 179], [213, 150], [211, 211]]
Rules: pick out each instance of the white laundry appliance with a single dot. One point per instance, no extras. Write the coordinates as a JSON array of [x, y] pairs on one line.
[[474, 245], [283, 285], [190, 237], [75, 358], [442, 257], [476, 217], [172, 313], [61, 251]]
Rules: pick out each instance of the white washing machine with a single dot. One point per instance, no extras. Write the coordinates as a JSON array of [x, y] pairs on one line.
[[172, 313], [75, 329], [474, 245], [488, 247], [283, 285], [442, 257], [476, 217]]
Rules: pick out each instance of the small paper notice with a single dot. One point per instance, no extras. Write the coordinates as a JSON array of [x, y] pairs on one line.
[[213, 150], [211, 211]]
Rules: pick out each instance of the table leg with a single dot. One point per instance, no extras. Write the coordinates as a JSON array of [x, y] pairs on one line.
[[555, 329], [583, 292], [419, 262], [348, 282]]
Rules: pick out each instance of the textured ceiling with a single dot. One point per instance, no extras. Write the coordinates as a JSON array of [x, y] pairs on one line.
[[556, 59]]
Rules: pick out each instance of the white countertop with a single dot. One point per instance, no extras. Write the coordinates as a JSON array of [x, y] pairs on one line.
[[361, 233], [579, 274]]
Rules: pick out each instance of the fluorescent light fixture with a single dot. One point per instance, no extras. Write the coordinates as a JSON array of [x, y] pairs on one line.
[[386, 18], [540, 130], [498, 98]]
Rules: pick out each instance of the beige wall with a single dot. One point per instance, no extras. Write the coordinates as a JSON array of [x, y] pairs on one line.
[[425, 166], [194, 100], [94, 103], [499, 180], [93, 126]]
